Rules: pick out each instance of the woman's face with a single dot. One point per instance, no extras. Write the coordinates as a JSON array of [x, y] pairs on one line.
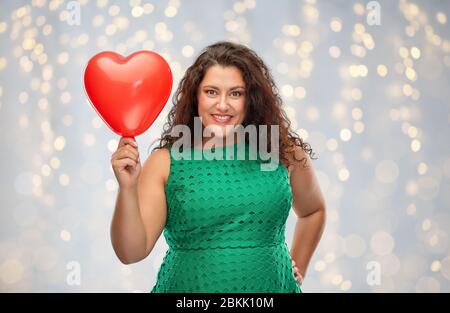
[[221, 98]]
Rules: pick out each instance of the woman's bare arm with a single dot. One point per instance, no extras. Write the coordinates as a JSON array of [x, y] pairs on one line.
[[309, 205], [140, 213]]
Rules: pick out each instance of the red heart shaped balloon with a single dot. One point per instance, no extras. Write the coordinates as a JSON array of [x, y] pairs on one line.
[[128, 92]]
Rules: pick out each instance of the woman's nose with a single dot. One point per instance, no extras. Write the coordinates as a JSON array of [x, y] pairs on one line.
[[222, 105]]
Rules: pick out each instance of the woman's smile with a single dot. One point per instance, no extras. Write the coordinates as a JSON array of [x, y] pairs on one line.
[[222, 118]]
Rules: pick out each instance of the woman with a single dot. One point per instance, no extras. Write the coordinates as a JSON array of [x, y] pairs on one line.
[[223, 219]]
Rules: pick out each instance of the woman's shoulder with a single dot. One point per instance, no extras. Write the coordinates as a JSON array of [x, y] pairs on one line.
[[158, 162], [297, 157]]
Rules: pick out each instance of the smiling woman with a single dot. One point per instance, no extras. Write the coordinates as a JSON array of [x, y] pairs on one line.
[[229, 84], [221, 98], [223, 219]]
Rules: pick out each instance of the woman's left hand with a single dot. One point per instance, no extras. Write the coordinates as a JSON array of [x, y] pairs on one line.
[[297, 274]]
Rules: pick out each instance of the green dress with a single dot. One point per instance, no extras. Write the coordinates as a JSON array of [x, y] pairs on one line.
[[225, 225]]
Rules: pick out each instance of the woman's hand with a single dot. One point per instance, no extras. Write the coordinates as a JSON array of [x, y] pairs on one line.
[[126, 163], [297, 274]]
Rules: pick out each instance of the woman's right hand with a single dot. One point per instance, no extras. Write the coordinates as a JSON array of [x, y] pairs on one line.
[[126, 163]]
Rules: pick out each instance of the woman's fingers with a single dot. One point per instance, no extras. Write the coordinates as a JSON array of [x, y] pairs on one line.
[[298, 276], [131, 152], [126, 152], [124, 162], [127, 148], [127, 140], [296, 271]]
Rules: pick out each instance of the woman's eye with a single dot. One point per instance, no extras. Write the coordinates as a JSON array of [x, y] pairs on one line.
[[211, 92]]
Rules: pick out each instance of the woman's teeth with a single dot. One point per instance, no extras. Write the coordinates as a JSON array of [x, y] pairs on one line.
[[222, 118]]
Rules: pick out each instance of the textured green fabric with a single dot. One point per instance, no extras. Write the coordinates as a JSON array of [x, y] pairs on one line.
[[226, 226]]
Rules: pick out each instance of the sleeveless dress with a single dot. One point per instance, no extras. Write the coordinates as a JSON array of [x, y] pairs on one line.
[[225, 225]]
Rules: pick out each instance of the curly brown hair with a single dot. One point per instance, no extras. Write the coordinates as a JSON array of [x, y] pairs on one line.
[[263, 102]]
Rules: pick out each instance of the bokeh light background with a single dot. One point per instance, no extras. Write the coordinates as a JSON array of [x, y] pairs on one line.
[[372, 100]]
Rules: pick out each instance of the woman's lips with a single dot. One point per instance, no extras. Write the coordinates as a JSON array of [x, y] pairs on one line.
[[221, 119]]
